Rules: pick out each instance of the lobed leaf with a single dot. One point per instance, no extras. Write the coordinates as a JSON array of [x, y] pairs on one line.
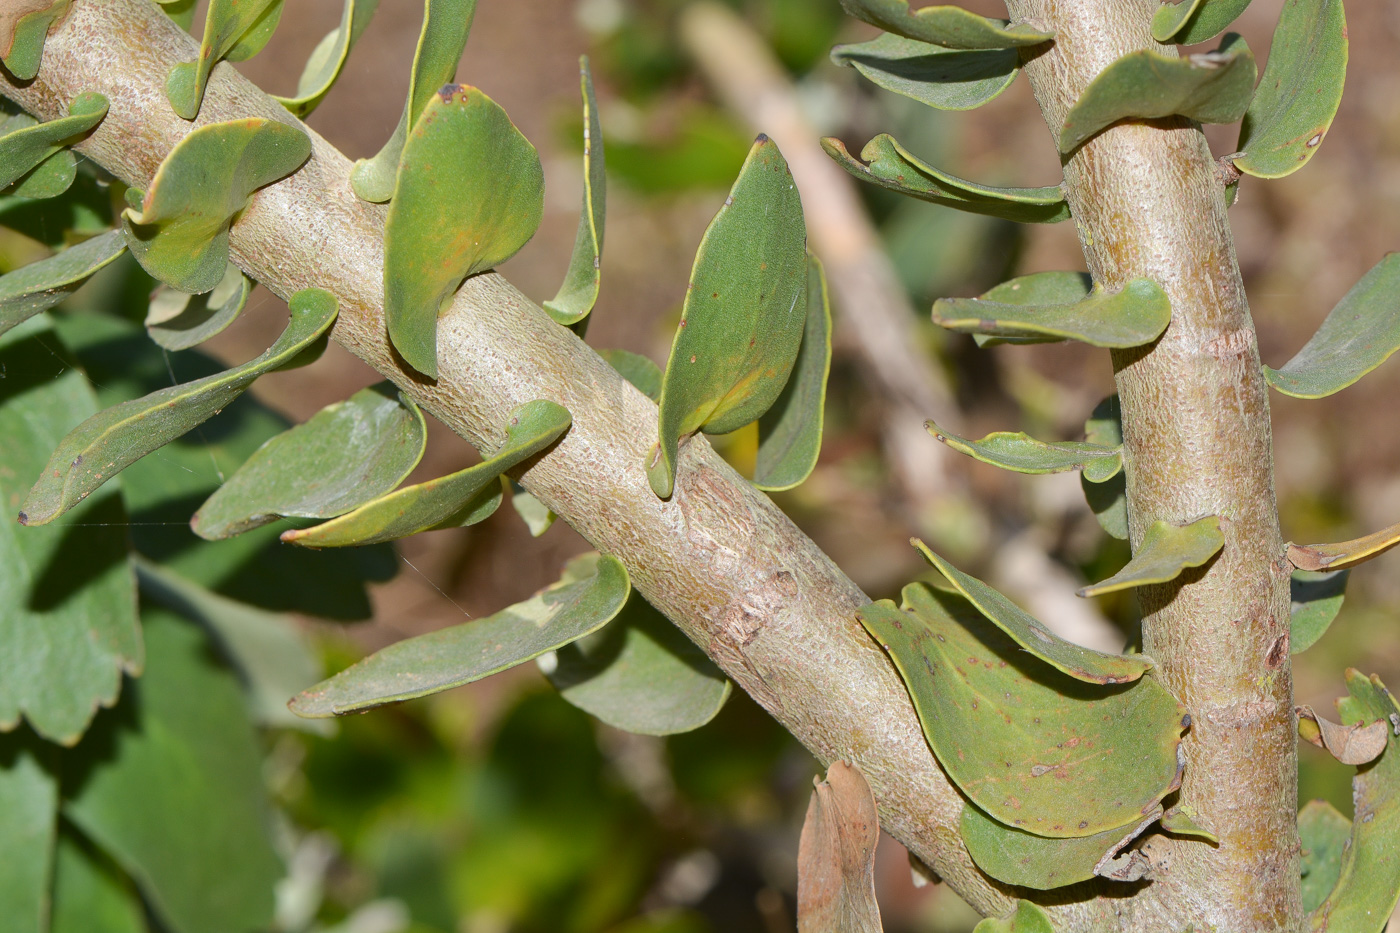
[[1024, 454], [28, 828], [178, 320], [949, 26], [592, 591], [225, 24], [1014, 856], [1345, 554], [1317, 598], [636, 369], [948, 79], [469, 195], [43, 284], [1135, 315], [26, 145], [328, 58], [836, 856], [1166, 550], [1324, 833], [1026, 918], [1195, 21], [580, 288], [23, 31]]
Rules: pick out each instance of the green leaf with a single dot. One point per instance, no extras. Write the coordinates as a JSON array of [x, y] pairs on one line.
[[1014, 856], [1024, 454], [636, 369], [1032, 635], [1108, 500], [949, 26], [1194, 21], [171, 786], [446, 24], [580, 289], [225, 24], [43, 284], [328, 58], [25, 47], [178, 320], [68, 615], [1325, 834], [836, 856], [109, 441], [258, 35], [1033, 748], [593, 590], [347, 454], [790, 433], [891, 166], [1358, 335], [639, 674], [745, 311], [25, 144], [1183, 820], [534, 513], [1135, 315], [28, 824], [1211, 87], [181, 12], [1166, 550], [89, 894], [1026, 918], [1300, 92], [1171, 17], [470, 194], [948, 79], [1346, 553], [180, 233], [1317, 598], [462, 498]]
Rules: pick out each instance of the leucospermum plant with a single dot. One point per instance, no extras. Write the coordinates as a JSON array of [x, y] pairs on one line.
[[1062, 788]]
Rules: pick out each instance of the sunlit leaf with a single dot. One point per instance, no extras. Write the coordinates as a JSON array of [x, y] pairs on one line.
[[1171, 17], [1026, 860], [836, 856], [180, 233], [225, 23], [948, 79], [109, 441], [1324, 833], [1317, 598], [1300, 91], [178, 320], [1183, 820], [25, 144], [256, 38], [745, 311], [43, 284], [53, 175], [347, 454], [1355, 744], [593, 590], [181, 12], [328, 58], [580, 289], [28, 824], [535, 514], [1135, 315], [886, 163], [1346, 553], [949, 26], [1211, 87], [1026, 918], [1166, 550], [23, 31], [1040, 288], [1193, 21], [470, 194], [1021, 453], [636, 369]]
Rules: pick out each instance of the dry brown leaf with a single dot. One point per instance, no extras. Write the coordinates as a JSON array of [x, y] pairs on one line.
[[836, 858], [1351, 745]]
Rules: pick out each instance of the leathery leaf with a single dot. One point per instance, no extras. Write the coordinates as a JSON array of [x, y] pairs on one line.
[[1136, 314], [43, 284], [836, 856], [28, 828], [580, 288], [1038, 288], [1346, 553], [886, 163], [458, 499], [1031, 634], [1024, 454], [446, 24], [948, 26], [1300, 91], [328, 58], [25, 145], [180, 233], [109, 441], [225, 24], [1358, 335], [1193, 21], [1324, 833], [1026, 860], [1108, 500], [470, 194], [347, 454], [636, 369], [1317, 598], [744, 315], [1166, 550], [1211, 87], [1026, 918], [592, 591], [177, 320], [948, 79], [23, 31], [1035, 749]]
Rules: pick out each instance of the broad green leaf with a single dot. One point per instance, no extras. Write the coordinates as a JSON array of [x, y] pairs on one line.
[[1368, 884], [462, 498], [347, 454], [1108, 500], [1026, 918], [1040, 288], [258, 35], [58, 222], [639, 674], [580, 289], [593, 590], [1014, 856], [534, 513], [470, 194], [25, 145], [1183, 820], [948, 79], [1211, 87], [949, 26], [790, 433], [178, 320], [446, 24], [1317, 598], [89, 894], [51, 177], [1135, 315], [1166, 550], [181, 12], [636, 369], [328, 58], [225, 24], [836, 856], [180, 233], [1171, 17], [1358, 335], [745, 311], [68, 614], [170, 785], [1325, 834], [1032, 747], [24, 47], [109, 441], [1345, 554], [1194, 21], [1031, 634], [886, 163], [1024, 454], [28, 824], [43, 284], [1300, 91]]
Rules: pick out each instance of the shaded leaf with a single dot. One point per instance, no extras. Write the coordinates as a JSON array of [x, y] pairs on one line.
[[28, 824], [1171, 17], [24, 46], [1166, 550], [225, 23], [1021, 453], [636, 369], [580, 288], [1346, 553], [178, 320], [26, 144], [181, 12], [43, 284], [534, 513], [1109, 503], [470, 194], [745, 311], [1135, 315], [1300, 92], [89, 894], [948, 79], [593, 590], [1194, 21], [1026, 918], [180, 233], [886, 163], [1017, 857], [836, 856], [948, 26], [1211, 87], [1183, 820], [1033, 748], [1317, 598], [111, 440], [1324, 833], [328, 58], [1355, 744]]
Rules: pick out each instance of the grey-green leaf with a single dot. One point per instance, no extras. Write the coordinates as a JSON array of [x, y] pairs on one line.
[[28, 825], [1108, 500], [1166, 550], [949, 26], [1026, 918], [636, 369], [1194, 21], [535, 514], [1135, 315], [1039, 288], [24, 146], [1171, 17], [1324, 834], [1317, 598], [25, 47], [592, 591], [178, 320], [43, 284], [948, 79], [225, 23], [580, 288], [1014, 856], [1024, 454], [328, 58]]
